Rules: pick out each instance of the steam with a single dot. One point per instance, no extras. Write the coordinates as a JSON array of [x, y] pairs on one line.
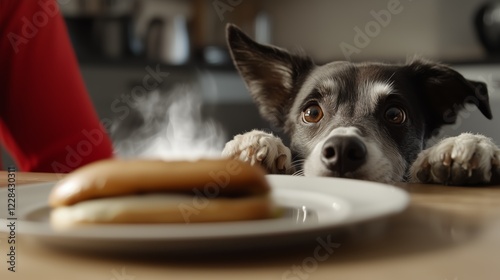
[[170, 126]]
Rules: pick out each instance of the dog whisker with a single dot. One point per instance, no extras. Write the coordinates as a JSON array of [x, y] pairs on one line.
[[299, 172], [298, 163], [296, 166]]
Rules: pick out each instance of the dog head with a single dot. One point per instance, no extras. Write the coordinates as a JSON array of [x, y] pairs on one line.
[[360, 120]]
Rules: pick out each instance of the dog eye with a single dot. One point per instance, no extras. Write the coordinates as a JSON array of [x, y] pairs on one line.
[[395, 115], [312, 114]]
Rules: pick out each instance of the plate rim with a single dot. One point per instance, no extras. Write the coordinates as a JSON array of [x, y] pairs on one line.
[[396, 207]]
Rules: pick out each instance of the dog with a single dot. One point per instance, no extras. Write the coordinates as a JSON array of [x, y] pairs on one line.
[[368, 121]]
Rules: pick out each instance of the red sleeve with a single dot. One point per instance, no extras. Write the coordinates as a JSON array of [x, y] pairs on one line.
[[47, 121]]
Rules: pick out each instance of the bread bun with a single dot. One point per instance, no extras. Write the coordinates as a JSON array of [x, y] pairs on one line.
[[155, 191]]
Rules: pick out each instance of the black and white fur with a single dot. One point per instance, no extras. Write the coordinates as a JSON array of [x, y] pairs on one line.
[[374, 118]]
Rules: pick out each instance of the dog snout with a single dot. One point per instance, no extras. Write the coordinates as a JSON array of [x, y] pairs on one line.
[[343, 154]]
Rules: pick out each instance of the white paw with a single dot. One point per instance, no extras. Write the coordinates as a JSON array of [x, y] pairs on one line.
[[467, 159], [258, 147]]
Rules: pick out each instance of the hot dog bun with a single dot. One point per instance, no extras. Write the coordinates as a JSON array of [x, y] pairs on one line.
[[121, 177], [160, 208], [154, 191]]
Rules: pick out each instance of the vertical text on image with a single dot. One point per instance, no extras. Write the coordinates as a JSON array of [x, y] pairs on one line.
[[11, 219]]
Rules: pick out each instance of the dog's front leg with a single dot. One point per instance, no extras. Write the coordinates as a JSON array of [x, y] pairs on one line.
[[467, 159], [259, 147]]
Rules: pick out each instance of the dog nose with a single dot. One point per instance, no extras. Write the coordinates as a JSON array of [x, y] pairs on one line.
[[343, 154]]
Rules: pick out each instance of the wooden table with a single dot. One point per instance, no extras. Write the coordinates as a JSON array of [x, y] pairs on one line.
[[447, 233]]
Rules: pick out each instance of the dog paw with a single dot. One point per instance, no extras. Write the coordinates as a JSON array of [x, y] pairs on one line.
[[258, 147], [467, 159]]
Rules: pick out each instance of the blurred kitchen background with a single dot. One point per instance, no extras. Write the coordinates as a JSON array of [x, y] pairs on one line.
[[117, 41]]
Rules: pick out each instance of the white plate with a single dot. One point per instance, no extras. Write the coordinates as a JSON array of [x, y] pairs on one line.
[[313, 206]]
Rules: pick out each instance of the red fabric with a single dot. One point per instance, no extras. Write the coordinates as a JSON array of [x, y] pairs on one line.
[[47, 121]]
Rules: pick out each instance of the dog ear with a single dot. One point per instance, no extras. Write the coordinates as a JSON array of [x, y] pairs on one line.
[[272, 75], [446, 92]]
